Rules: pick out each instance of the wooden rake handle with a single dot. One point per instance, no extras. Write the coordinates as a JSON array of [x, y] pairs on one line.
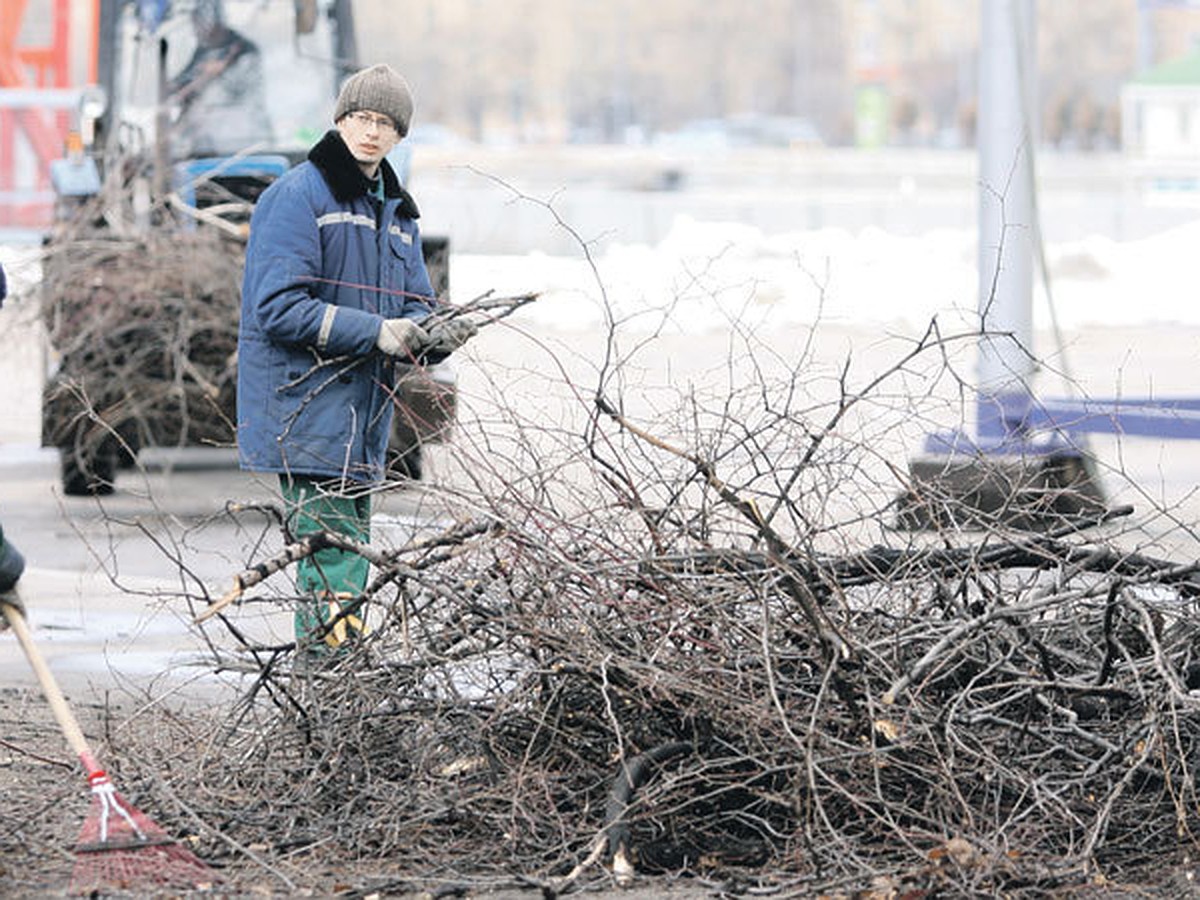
[[54, 695]]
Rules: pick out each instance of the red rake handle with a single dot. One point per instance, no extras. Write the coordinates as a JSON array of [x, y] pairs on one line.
[[54, 696]]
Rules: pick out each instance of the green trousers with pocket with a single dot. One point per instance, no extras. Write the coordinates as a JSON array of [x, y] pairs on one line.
[[332, 576]]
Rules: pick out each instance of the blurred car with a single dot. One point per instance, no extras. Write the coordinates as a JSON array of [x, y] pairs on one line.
[[696, 136], [776, 131], [748, 130]]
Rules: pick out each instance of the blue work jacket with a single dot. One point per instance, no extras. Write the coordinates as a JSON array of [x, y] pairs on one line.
[[327, 262]]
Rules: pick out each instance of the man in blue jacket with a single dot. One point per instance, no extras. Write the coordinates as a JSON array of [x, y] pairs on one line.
[[334, 291]]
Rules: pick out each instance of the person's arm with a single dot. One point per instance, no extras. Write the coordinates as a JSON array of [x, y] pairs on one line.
[[186, 76], [3, 286], [283, 268], [205, 67]]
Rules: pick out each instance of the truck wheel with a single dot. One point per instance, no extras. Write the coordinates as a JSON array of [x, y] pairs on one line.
[[95, 480], [407, 464]]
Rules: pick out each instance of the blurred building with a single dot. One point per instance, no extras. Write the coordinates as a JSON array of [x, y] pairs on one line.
[[1161, 111], [914, 70], [867, 71]]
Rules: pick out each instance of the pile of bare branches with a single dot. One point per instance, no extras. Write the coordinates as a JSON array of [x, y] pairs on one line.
[[145, 337], [665, 637], [692, 688]]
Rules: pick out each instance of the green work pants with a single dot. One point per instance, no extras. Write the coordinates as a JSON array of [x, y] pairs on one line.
[[332, 576]]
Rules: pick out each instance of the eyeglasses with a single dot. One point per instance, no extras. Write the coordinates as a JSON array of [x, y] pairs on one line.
[[366, 120]]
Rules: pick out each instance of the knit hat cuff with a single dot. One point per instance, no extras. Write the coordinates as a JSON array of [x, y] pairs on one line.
[[378, 89]]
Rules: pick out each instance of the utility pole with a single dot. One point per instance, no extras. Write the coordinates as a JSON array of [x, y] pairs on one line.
[[1007, 230], [1026, 463], [1007, 470]]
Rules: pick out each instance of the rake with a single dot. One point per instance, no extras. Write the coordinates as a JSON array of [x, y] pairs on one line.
[[119, 846]]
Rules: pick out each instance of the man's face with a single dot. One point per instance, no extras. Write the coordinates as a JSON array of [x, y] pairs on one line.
[[369, 135]]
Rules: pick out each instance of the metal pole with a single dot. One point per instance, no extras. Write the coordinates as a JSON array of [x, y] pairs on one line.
[[1006, 227], [162, 128]]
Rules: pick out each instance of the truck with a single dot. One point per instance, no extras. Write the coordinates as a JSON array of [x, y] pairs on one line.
[[199, 106]]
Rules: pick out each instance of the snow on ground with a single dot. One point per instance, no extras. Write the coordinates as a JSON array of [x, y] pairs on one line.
[[21, 266], [704, 275]]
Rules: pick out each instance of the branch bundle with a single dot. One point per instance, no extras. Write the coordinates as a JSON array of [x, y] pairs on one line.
[[678, 649], [1013, 716]]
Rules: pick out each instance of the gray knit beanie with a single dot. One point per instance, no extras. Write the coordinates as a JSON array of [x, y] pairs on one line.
[[378, 89]]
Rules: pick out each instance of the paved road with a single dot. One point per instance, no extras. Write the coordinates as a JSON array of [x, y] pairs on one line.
[[108, 580]]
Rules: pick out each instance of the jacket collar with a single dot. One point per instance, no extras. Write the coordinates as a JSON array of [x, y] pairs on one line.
[[338, 167]]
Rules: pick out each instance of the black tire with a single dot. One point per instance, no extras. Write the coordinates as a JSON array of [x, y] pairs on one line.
[[407, 464], [96, 479]]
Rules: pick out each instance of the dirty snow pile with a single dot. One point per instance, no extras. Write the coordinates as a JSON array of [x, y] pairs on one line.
[[704, 275]]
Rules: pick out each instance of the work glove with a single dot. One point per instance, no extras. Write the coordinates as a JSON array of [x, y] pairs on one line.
[[401, 337], [446, 337], [12, 564], [13, 599]]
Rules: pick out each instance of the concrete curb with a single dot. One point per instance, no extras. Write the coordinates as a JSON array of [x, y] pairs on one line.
[[28, 460], [32, 461]]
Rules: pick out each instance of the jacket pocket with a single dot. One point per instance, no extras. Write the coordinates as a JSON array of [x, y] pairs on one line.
[[401, 247]]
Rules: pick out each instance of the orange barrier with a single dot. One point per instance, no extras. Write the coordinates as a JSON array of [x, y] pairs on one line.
[[42, 129]]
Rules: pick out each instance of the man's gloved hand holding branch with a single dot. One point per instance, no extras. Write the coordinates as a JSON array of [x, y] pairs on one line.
[[401, 337], [448, 336], [13, 599], [406, 338]]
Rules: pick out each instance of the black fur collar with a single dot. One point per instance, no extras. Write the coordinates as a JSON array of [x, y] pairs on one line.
[[332, 157]]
